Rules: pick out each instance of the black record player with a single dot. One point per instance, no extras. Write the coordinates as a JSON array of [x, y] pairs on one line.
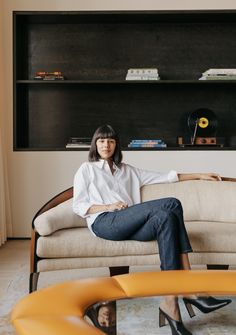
[[202, 124]]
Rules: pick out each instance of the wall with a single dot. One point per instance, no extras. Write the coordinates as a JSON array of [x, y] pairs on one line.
[[36, 176], [1, 61]]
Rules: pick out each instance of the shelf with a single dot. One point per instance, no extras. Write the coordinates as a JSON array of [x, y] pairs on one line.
[[197, 148], [105, 44], [127, 82], [187, 148]]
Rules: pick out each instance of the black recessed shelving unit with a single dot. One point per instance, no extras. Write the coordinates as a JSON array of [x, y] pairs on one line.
[[94, 50]]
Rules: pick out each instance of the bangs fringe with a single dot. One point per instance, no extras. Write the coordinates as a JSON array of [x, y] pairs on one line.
[[106, 132]]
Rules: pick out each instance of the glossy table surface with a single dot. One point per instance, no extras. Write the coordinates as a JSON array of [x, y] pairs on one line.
[[60, 309]]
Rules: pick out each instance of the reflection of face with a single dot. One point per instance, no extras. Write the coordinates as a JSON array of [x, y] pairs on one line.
[[106, 147], [107, 316]]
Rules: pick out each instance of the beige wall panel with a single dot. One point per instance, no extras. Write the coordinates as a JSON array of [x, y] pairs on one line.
[[37, 176]]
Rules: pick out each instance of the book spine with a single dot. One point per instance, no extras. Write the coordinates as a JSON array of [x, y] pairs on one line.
[[71, 145], [143, 71], [233, 77], [163, 145], [154, 141], [141, 78], [215, 72]]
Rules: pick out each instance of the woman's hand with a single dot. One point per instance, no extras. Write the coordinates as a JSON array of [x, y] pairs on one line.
[[201, 176], [117, 206], [210, 176]]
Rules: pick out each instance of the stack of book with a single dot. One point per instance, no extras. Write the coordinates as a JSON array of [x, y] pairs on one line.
[[147, 144], [219, 74], [43, 75], [79, 142], [142, 74]]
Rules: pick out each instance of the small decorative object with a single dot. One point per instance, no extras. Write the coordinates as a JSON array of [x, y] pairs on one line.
[[142, 74], [202, 124], [219, 74], [43, 75]]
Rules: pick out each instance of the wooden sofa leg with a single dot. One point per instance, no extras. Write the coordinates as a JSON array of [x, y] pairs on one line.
[[217, 267], [118, 270], [33, 281]]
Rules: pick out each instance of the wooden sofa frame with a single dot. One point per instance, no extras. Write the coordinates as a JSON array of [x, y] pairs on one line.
[[34, 259]]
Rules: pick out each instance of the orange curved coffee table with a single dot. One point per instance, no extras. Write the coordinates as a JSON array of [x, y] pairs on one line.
[[60, 309]]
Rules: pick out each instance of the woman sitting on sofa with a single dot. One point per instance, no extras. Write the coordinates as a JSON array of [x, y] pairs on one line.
[[107, 194]]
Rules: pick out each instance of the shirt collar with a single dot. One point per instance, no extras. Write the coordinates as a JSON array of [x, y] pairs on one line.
[[101, 164]]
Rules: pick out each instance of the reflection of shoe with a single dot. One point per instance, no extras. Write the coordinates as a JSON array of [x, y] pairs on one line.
[[205, 304], [177, 327]]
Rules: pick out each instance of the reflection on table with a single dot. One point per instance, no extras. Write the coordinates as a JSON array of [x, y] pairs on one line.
[[140, 316]]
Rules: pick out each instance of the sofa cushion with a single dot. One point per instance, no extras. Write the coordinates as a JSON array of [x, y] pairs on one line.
[[82, 243], [59, 217], [74, 242], [210, 237], [201, 200]]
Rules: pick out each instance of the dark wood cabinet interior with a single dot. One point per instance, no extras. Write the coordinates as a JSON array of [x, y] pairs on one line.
[[94, 50]]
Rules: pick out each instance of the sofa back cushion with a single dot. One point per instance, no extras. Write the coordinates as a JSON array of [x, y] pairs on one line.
[[202, 200]]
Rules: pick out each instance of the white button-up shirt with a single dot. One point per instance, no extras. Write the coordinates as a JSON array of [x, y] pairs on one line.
[[94, 184]]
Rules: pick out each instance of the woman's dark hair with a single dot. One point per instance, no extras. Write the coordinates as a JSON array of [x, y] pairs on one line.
[[105, 131], [92, 313]]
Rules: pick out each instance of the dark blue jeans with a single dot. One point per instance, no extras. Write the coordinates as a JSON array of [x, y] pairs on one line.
[[160, 220]]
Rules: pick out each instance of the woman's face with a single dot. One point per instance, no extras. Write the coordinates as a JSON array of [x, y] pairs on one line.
[[107, 316], [106, 147]]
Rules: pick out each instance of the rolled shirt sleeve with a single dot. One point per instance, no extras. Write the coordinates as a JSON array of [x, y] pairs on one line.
[[173, 176], [153, 177], [81, 199]]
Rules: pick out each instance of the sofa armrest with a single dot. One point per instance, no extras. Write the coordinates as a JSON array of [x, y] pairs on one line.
[[228, 179], [58, 199]]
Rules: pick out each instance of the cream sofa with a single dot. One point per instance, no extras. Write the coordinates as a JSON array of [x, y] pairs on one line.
[[61, 239]]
